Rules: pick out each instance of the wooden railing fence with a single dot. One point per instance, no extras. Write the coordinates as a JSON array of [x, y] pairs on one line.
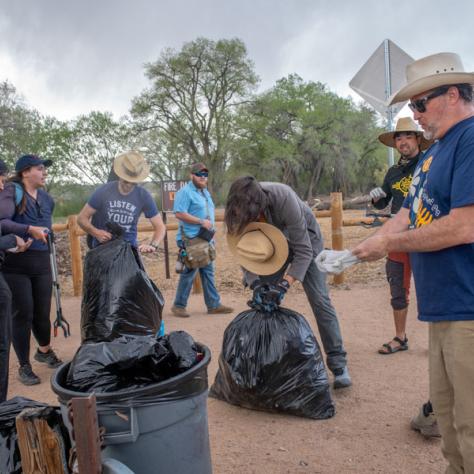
[[75, 232]]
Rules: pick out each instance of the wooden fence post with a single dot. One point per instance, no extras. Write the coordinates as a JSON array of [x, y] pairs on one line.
[[76, 257], [336, 229], [197, 284]]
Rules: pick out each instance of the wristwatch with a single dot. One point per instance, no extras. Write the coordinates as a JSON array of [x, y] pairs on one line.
[[155, 244]]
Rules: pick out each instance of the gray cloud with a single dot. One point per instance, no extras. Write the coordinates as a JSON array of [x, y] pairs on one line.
[[72, 57]]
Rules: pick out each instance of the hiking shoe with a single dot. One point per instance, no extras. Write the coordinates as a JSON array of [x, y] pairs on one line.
[[425, 422], [221, 309], [180, 312], [26, 375], [49, 358], [342, 379]]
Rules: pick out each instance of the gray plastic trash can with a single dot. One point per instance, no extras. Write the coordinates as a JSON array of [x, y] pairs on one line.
[[158, 429]]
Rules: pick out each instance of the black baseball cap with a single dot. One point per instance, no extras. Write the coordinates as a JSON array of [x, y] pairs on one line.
[[27, 161]]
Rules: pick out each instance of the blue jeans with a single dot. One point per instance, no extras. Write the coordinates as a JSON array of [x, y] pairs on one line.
[[211, 296]]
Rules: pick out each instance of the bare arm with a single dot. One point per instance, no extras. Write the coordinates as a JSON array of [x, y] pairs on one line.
[[159, 232], [456, 228], [84, 221], [190, 219]]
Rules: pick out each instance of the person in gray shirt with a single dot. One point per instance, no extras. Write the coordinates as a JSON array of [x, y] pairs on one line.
[[277, 204]]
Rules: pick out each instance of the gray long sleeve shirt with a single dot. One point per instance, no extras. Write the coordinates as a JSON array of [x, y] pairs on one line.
[[294, 218]]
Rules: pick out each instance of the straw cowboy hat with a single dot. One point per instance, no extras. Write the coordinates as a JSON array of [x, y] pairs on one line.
[[404, 124], [433, 71], [261, 248], [131, 166]]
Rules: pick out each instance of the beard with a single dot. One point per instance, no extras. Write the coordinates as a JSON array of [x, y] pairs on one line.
[[429, 134]]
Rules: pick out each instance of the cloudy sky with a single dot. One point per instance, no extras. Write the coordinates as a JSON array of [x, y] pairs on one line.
[[70, 57]]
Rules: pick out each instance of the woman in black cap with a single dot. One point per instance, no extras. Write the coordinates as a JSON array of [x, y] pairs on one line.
[[8, 241], [29, 274]]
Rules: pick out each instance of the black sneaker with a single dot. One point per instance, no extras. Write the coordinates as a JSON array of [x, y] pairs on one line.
[[26, 375], [49, 358]]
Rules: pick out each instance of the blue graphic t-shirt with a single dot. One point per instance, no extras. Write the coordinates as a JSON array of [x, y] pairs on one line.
[[444, 180], [194, 201], [125, 210]]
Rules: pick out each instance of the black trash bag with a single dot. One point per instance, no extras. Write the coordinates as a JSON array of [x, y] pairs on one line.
[[10, 461], [271, 361], [130, 362], [119, 298]]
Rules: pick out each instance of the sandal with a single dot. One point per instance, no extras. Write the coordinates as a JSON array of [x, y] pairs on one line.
[[388, 349]]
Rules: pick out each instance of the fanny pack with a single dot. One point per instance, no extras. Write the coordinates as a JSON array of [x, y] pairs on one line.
[[199, 253]]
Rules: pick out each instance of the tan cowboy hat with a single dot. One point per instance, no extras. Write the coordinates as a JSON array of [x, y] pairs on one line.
[[261, 248], [131, 166], [404, 124], [433, 71]]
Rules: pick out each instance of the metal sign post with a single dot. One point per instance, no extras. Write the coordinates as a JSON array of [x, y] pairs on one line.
[[381, 74], [388, 93], [168, 192]]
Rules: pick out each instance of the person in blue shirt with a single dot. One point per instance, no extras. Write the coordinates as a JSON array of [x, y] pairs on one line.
[[28, 274], [436, 225], [122, 202], [194, 208]]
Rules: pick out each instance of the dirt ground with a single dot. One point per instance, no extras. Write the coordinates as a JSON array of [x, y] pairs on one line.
[[370, 432]]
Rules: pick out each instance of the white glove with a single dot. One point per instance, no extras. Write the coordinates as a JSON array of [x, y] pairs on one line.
[[377, 193], [335, 261]]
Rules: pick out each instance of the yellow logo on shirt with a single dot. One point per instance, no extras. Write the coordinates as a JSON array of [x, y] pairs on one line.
[[427, 164], [403, 185]]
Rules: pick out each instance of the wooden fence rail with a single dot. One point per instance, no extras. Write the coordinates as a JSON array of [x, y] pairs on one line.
[[75, 233]]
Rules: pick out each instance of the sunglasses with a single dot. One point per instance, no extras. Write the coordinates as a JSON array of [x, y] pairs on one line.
[[201, 174], [419, 105]]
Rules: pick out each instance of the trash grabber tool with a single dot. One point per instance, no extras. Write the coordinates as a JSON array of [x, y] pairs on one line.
[[60, 321]]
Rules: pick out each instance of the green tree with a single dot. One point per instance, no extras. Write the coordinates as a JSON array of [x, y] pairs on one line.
[[95, 139], [301, 134], [192, 100]]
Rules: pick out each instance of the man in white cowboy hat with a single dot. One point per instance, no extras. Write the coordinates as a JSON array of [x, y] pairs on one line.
[[436, 225], [122, 202], [257, 215], [409, 142]]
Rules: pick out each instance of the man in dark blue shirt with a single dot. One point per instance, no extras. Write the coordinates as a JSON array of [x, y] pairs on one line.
[[122, 202], [436, 225]]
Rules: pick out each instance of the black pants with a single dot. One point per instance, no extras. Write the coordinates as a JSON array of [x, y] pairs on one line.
[[5, 335], [29, 277]]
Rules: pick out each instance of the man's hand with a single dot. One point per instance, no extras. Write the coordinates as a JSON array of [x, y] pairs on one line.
[[38, 233], [206, 223], [282, 286], [147, 248], [373, 248], [102, 235], [377, 193], [22, 245]]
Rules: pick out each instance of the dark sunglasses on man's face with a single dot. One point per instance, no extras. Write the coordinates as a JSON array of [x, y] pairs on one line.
[[419, 105], [201, 174]]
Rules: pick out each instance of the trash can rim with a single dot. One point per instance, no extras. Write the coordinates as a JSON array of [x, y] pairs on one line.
[[66, 394]]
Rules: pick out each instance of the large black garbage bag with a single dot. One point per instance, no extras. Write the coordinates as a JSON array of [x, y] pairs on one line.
[[10, 461], [118, 296], [271, 361], [130, 362]]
